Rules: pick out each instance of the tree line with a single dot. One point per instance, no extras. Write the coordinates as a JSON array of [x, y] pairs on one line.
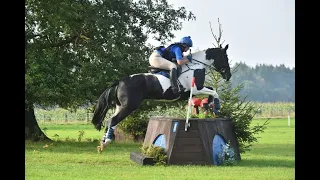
[[265, 83]]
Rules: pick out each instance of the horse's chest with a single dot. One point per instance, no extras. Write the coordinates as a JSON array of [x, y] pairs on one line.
[[186, 78], [199, 74]]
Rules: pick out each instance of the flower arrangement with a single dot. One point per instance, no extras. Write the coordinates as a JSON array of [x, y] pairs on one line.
[[227, 155]]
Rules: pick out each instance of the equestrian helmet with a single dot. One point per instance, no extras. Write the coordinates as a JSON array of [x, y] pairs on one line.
[[187, 41]]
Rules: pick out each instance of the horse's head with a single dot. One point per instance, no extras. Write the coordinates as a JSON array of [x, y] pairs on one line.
[[220, 60]]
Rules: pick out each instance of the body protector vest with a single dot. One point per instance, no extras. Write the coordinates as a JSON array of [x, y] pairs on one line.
[[166, 52]]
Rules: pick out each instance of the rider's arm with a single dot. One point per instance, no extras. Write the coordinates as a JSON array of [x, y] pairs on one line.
[[179, 56]]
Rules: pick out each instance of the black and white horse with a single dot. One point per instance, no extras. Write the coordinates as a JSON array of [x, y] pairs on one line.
[[127, 94]]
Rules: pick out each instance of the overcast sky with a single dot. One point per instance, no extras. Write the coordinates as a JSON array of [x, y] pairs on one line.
[[257, 31]]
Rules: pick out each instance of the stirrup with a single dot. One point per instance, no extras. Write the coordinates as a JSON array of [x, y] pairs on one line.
[[181, 88], [175, 90]]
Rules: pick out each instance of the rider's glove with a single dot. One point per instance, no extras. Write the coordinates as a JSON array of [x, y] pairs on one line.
[[189, 57]]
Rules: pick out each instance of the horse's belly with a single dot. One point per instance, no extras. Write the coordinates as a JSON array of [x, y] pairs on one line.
[[163, 82]]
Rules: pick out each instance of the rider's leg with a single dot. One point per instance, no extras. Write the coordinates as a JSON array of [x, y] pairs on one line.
[[158, 61], [173, 80]]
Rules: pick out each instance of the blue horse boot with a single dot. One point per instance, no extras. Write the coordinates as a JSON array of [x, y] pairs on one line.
[[107, 138], [216, 103], [216, 112]]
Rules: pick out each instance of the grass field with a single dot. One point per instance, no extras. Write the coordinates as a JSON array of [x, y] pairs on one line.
[[273, 157]]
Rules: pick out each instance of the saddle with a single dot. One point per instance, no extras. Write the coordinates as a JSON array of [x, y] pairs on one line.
[[155, 70]]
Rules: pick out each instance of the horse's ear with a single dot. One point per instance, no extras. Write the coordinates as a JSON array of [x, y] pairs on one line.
[[227, 46], [220, 46]]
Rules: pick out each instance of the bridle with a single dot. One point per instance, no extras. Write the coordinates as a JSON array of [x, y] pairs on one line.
[[210, 66]]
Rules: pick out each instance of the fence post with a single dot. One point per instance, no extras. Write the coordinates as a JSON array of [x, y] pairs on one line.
[[66, 117], [289, 118]]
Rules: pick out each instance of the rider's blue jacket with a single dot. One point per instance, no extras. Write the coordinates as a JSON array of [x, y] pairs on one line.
[[172, 51]]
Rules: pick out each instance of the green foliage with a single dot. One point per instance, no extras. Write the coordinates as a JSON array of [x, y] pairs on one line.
[[158, 154], [265, 83], [176, 109], [56, 136], [59, 114], [81, 134], [136, 123], [201, 115], [227, 156], [75, 49], [241, 111]]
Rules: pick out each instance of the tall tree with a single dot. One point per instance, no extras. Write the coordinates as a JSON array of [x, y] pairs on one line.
[[238, 109], [74, 49]]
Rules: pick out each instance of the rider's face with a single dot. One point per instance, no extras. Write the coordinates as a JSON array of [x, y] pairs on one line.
[[186, 48]]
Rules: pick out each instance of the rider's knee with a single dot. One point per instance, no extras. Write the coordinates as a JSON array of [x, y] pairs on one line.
[[172, 66], [152, 57]]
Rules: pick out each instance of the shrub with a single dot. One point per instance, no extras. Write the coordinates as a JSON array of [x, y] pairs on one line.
[[136, 123], [158, 154]]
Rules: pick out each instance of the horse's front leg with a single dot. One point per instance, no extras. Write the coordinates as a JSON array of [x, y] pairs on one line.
[[210, 92]]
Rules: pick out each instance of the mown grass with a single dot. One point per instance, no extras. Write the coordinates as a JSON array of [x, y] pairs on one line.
[[272, 157]]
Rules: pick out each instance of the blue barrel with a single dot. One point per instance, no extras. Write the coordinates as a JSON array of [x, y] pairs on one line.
[[218, 142], [160, 141]]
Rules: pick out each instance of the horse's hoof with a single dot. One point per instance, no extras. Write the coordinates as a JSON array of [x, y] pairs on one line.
[[99, 149], [103, 145]]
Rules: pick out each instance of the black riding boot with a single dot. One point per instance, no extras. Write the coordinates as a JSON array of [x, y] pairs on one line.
[[173, 80]]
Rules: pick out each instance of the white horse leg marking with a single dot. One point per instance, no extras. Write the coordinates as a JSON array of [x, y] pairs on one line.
[[106, 137], [206, 91]]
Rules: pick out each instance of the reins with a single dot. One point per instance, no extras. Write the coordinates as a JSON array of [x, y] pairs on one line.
[[198, 62]]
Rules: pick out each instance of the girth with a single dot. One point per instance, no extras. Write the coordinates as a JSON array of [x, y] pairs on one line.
[[153, 70]]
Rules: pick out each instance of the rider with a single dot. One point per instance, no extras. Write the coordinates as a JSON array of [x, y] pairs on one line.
[[164, 58]]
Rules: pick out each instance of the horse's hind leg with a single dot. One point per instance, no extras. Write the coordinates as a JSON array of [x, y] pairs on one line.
[[122, 112]]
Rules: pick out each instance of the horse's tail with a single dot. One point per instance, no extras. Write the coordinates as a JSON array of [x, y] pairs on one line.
[[102, 106]]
